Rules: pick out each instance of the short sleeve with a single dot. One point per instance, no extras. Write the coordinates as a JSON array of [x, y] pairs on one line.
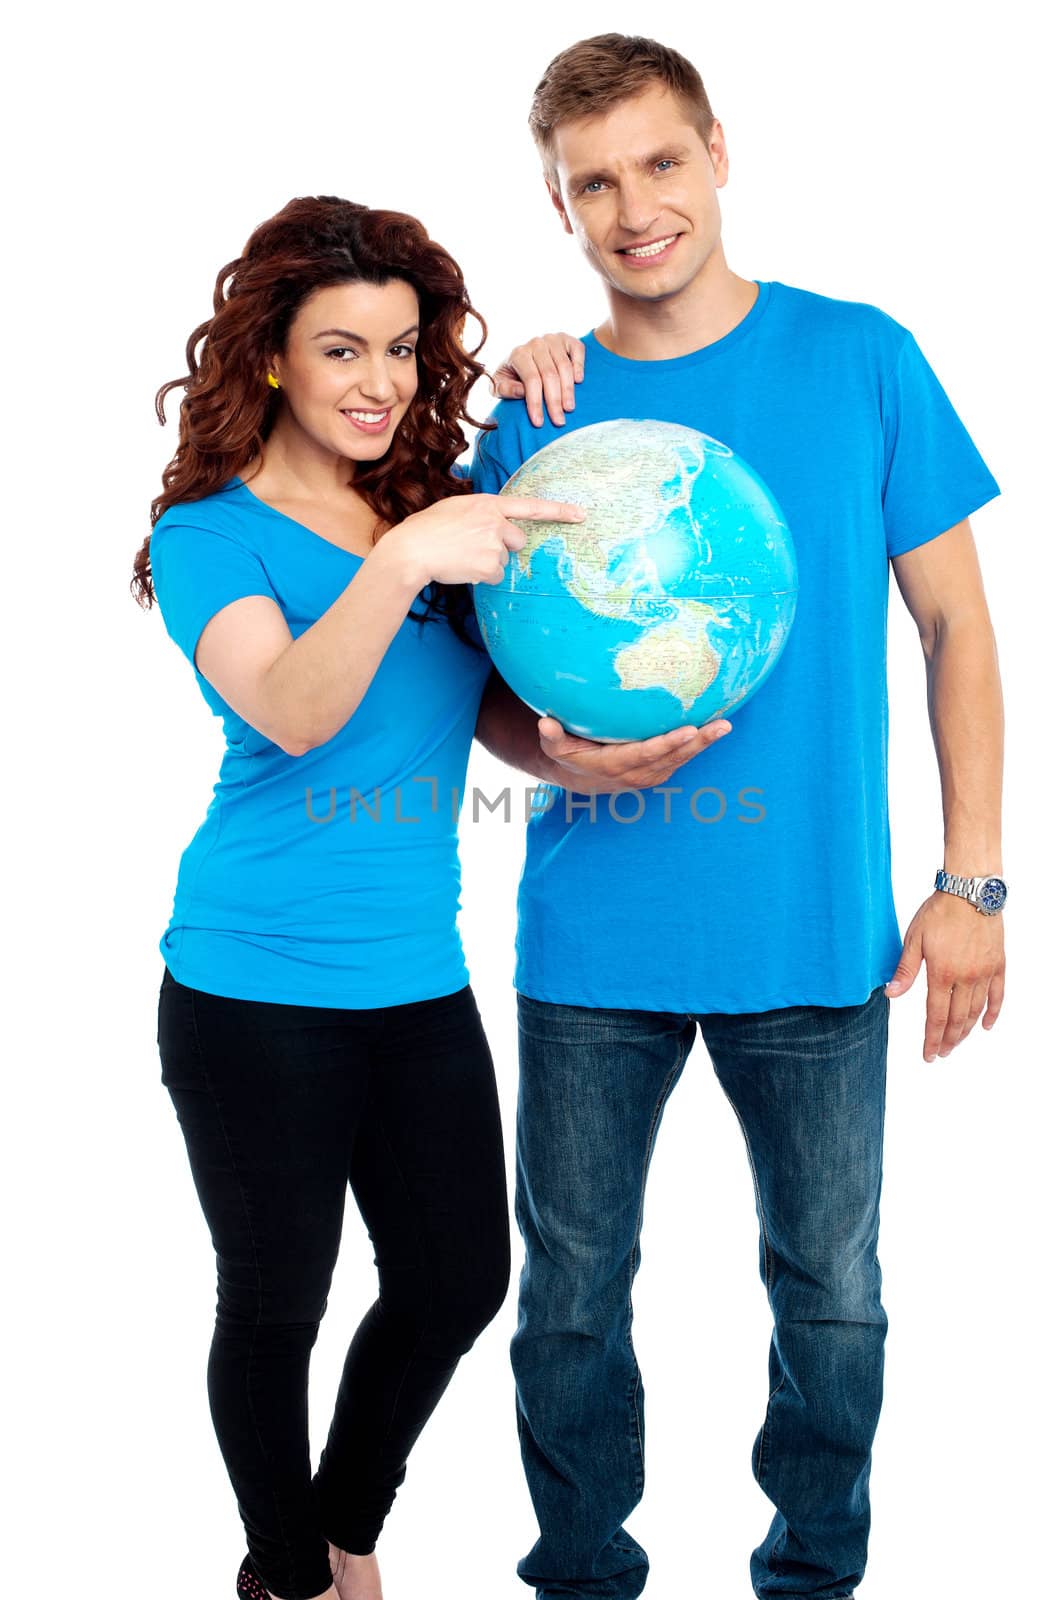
[[933, 476], [195, 572], [489, 470]]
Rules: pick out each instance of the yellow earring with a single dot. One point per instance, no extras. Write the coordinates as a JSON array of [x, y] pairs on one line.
[[272, 381]]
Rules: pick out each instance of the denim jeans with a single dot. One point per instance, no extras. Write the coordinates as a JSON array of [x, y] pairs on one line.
[[807, 1084], [282, 1108]]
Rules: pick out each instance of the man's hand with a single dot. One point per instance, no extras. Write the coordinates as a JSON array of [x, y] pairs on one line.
[[543, 369], [638, 764], [965, 955]]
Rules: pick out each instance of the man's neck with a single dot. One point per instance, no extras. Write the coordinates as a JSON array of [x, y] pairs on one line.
[[657, 330]]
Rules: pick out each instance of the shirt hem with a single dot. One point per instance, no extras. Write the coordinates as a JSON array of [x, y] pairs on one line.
[[913, 541], [239, 990], [703, 1006]]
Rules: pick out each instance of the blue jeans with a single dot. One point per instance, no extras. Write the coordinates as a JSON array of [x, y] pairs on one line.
[[807, 1084]]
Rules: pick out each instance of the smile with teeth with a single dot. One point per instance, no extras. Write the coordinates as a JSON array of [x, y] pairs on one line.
[[368, 417], [654, 249]]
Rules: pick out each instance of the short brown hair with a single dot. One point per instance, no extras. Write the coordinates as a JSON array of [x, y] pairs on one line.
[[597, 73]]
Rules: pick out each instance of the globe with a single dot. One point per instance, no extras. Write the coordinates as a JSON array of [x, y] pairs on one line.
[[670, 604]]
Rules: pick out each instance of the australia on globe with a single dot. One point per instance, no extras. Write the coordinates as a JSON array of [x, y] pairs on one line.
[[669, 605]]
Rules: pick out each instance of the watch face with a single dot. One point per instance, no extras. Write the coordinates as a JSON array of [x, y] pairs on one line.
[[992, 895]]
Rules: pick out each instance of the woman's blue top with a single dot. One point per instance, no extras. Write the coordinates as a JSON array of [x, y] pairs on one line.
[[331, 878]]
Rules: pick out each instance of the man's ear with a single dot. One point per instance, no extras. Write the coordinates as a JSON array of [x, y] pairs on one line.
[[558, 203], [718, 153]]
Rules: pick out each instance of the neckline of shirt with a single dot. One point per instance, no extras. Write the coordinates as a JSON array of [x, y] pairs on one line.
[[708, 352], [237, 482]]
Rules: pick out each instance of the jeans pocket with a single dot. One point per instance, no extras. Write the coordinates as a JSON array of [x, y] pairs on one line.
[[585, 1026]]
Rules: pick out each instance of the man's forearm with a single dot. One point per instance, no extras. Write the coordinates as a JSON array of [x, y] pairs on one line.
[[509, 729], [968, 726]]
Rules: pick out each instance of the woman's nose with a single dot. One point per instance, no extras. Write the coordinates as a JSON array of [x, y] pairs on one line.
[[375, 382]]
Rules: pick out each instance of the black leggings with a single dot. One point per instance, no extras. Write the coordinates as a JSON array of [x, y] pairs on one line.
[[281, 1107]]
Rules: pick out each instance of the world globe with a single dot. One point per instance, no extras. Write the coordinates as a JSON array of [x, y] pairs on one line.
[[669, 605]]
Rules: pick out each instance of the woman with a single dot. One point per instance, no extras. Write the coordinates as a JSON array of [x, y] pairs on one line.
[[310, 553]]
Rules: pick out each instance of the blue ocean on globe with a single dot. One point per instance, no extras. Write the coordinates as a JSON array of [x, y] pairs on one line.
[[670, 604]]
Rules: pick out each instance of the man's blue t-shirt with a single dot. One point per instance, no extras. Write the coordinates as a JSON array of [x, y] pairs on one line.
[[328, 879], [763, 880]]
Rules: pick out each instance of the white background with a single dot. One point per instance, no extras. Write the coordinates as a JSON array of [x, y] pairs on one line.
[[901, 155]]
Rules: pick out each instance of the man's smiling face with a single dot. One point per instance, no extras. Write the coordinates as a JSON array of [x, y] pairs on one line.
[[638, 185]]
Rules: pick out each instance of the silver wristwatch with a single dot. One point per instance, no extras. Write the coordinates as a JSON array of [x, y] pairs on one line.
[[987, 895]]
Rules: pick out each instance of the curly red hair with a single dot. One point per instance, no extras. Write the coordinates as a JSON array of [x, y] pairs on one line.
[[228, 410]]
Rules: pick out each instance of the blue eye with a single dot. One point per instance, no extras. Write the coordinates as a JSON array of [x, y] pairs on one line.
[[664, 164], [591, 188]]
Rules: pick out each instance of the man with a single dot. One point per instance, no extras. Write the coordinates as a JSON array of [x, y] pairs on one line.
[[774, 934]]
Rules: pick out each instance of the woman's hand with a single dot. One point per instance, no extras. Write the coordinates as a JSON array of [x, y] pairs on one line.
[[544, 369], [468, 538]]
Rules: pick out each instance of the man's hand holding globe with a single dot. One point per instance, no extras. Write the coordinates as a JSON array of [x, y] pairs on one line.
[[548, 751], [593, 768]]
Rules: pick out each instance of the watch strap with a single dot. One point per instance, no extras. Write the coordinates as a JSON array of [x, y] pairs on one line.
[[952, 884], [987, 894]]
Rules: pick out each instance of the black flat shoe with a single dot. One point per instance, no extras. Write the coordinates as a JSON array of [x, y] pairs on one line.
[[249, 1586]]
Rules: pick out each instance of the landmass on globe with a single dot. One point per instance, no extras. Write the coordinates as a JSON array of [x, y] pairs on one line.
[[678, 590]]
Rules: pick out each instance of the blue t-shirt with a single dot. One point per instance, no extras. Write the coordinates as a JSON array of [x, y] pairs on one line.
[[328, 879], [765, 881]]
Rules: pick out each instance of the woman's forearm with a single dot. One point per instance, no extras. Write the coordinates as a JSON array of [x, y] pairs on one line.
[[317, 683]]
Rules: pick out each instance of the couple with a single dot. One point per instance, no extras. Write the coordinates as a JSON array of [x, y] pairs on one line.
[[311, 553]]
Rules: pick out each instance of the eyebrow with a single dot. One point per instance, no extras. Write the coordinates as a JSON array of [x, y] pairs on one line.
[[596, 175], [357, 338]]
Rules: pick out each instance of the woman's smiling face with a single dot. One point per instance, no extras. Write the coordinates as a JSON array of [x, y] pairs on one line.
[[349, 369]]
